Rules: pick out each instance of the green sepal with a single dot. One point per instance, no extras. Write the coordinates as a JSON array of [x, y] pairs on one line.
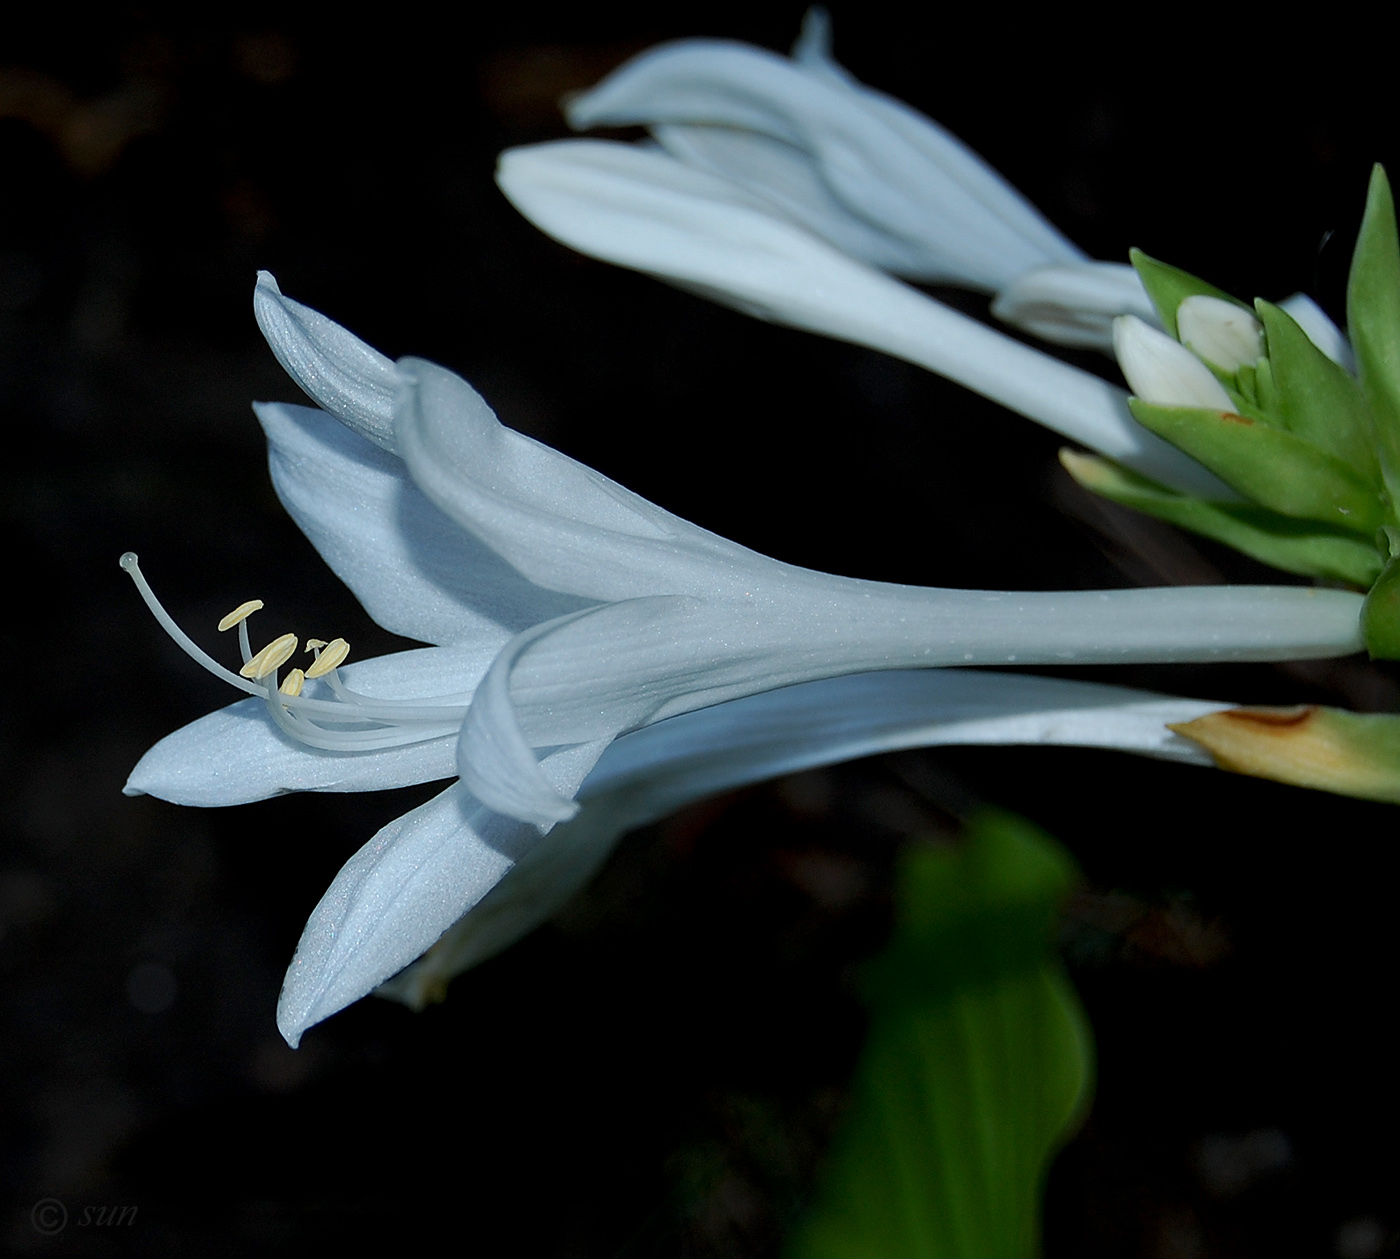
[[1373, 322], [1380, 614], [1314, 397], [1329, 749], [1273, 467], [976, 1067], [1266, 386], [1296, 546], [1169, 286]]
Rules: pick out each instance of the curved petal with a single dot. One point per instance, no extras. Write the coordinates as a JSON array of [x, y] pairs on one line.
[[392, 899], [1074, 305], [344, 375], [648, 774], [237, 755], [412, 568], [645, 210], [557, 522], [784, 176], [900, 172], [401, 891]]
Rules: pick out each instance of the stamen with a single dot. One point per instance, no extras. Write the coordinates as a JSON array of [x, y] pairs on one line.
[[346, 721], [240, 614], [270, 658], [315, 644], [328, 657]]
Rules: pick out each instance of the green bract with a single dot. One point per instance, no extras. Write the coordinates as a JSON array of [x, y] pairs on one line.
[[1313, 450]]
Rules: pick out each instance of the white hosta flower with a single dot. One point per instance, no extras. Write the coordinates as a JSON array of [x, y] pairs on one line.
[[863, 171], [567, 611], [1164, 372]]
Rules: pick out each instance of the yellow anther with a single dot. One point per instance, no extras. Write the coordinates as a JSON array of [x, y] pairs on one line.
[[313, 643], [332, 653], [291, 684], [270, 658], [241, 613]]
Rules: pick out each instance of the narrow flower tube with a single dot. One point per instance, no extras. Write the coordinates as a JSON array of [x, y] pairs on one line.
[[644, 210]]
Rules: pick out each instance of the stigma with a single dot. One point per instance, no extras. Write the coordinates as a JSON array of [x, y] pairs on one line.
[[333, 718]]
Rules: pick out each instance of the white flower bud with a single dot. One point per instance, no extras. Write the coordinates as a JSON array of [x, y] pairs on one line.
[[1220, 332], [1160, 371]]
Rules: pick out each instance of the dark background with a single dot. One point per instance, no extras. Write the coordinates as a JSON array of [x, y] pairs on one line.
[[658, 1072]]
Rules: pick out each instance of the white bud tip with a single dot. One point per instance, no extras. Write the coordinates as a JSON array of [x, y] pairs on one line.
[[1220, 332], [1163, 372]]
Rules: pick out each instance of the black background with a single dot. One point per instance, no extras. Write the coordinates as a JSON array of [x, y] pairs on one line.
[[658, 1072]]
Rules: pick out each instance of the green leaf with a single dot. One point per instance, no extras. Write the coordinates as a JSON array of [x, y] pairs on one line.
[[1380, 615], [1373, 319], [1273, 467], [976, 1068], [1316, 398], [1169, 286], [1296, 546]]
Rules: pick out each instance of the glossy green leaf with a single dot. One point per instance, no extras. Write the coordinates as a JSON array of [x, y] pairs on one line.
[[1314, 397], [1296, 546], [1169, 286], [1373, 319], [1269, 465], [976, 1068]]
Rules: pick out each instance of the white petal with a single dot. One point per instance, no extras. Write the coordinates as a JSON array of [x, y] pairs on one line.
[[412, 568], [392, 899], [784, 176], [1322, 332], [402, 890], [903, 174], [648, 774], [497, 762], [344, 375], [1220, 332], [557, 522], [1074, 305], [645, 210], [688, 757], [1161, 371], [237, 755]]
